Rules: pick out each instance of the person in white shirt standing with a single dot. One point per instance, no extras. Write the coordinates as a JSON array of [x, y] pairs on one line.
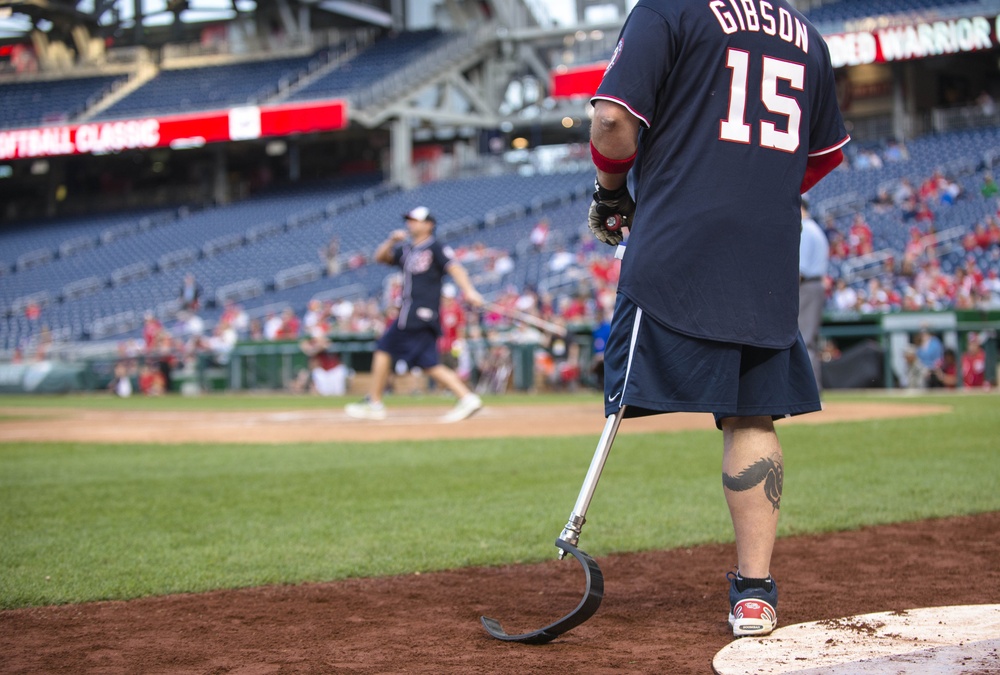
[[814, 260]]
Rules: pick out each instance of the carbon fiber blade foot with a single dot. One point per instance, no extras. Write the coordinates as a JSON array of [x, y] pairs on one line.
[[592, 596]]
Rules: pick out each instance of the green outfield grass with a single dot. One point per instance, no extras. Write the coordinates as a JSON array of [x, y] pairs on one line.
[[83, 522]]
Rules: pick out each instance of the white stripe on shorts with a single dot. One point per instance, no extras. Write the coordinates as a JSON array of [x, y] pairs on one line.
[[631, 351]]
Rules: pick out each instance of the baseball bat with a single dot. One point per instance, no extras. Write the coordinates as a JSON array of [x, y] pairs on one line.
[[529, 319]]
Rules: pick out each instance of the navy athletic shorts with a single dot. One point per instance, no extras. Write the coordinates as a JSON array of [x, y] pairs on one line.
[[416, 347], [653, 369]]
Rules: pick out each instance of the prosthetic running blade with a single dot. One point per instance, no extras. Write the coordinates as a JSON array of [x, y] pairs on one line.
[[592, 596], [567, 541]]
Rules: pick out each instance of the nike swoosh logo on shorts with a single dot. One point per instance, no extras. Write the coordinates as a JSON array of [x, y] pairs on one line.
[[611, 399]]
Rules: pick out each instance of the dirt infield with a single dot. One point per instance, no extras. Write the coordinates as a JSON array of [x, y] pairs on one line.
[[663, 612]]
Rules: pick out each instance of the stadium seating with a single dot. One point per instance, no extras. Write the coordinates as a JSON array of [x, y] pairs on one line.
[[371, 65], [97, 277], [841, 11], [105, 289], [29, 104], [208, 87]]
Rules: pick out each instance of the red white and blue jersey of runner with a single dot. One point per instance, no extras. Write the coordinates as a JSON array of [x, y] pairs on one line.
[[733, 97], [424, 268]]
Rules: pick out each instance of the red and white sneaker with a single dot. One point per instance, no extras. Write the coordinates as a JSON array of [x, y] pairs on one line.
[[753, 611], [752, 616]]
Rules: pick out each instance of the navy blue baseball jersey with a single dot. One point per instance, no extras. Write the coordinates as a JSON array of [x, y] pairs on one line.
[[424, 267], [733, 96]]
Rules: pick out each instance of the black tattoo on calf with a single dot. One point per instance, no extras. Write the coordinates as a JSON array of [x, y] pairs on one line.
[[764, 470]]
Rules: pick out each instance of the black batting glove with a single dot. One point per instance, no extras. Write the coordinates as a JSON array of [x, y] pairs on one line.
[[608, 204]]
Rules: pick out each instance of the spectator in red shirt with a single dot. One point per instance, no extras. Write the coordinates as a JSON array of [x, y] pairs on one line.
[[290, 325], [974, 364], [452, 325], [860, 236]]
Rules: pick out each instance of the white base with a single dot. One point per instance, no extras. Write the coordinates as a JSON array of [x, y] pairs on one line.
[[926, 641]]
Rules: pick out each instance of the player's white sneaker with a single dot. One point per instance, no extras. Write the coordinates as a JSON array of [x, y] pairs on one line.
[[366, 410], [466, 407]]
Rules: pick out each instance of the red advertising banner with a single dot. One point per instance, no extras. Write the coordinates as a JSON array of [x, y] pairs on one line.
[[579, 81], [173, 131]]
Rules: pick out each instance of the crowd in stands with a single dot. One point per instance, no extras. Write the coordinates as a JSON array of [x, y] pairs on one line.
[[476, 345], [913, 278], [577, 282]]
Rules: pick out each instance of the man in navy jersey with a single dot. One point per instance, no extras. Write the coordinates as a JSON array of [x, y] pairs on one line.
[[725, 112], [412, 337]]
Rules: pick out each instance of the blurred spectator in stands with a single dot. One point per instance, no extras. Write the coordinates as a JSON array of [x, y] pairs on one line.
[[340, 314], [904, 192], [845, 298], [561, 260], [121, 383], [963, 290], [540, 234], [881, 299], [503, 265], [453, 320], [896, 152], [946, 374], [914, 375], [978, 238], [930, 351], [989, 187], [992, 238], [166, 355], [331, 257], [326, 374], [883, 201], [220, 343], [272, 326], [930, 188], [234, 315], [923, 214], [600, 336], [256, 330], [190, 326], [32, 311], [990, 290], [839, 248], [315, 318], [291, 327], [909, 208], [576, 308], [951, 191], [526, 301], [190, 293], [913, 252], [867, 158], [860, 236], [151, 381], [151, 328], [974, 363]]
